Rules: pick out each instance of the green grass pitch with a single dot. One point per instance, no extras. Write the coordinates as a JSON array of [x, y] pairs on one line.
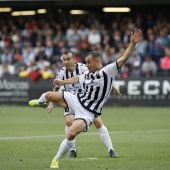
[[30, 137]]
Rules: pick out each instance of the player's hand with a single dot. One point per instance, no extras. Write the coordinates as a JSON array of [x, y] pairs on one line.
[[136, 36], [117, 92], [58, 82], [50, 107]]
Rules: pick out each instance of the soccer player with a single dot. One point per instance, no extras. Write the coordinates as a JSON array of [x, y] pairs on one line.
[[71, 69], [87, 105]]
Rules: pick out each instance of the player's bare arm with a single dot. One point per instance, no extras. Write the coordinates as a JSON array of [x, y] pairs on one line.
[[135, 38], [73, 80], [51, 105]]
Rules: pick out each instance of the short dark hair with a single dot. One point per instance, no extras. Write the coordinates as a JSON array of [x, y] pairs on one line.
[[72, 53], [94, 54]]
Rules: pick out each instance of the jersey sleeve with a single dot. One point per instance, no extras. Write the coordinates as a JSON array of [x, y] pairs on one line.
[[82, 80], [112, 69], [59, 75]]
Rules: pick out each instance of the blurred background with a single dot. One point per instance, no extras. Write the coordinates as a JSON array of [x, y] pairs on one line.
[[34, 35]]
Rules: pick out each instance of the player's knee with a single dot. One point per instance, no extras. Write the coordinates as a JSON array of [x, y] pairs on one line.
[[69, 122], [71, 135], [48, 95], [98, 124]]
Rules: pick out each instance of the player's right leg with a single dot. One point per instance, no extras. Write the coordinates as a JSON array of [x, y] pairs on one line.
[[105, 137], [56, 97]]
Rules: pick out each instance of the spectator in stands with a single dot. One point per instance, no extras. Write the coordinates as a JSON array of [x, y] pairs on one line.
[[74, 37], [16, 48], [61, 44], [59, 37], [18, 34], [163, 36], [49, 49], [104, 54], [19, 65], [141, 48], [2, 43], [148, 67], [134, 57], [47, 72], [28, 54], [39, 48], [126, 36], [94, 36], [70, 31], [42, 63], [165, 62], [126, 71], [83, 42], [7, 56], [117, 39], [6, 61], [136, 72], [74, 47], [106, 39], [34, 73], [83, 31], [84, 48], [108, 55], [26, 32], [157, 52]]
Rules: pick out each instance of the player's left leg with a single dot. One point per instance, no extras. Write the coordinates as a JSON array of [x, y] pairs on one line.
[[77, 127], [69, 118], [105, 137], [82, 122]]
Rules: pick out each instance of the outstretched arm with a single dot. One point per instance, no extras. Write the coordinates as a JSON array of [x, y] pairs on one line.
[[135, 38], [73, 80]]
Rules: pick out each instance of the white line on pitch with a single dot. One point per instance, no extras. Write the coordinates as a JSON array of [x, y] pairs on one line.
[[87, 134]]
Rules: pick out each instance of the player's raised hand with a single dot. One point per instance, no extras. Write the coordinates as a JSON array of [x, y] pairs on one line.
[[136, 36]]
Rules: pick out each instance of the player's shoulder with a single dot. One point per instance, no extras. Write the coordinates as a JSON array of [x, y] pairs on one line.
[[61, 71], [110, 65], [82, 67]]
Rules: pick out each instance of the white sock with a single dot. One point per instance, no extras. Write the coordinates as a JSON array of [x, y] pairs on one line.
[[105, 137], [65, 146], [74, 145], [42, 99]]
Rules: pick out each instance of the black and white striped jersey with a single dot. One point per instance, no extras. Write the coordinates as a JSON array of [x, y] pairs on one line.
[[97, 87], [65, 74]]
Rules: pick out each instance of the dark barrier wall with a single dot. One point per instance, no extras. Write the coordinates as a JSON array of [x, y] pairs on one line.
[[20, 91], [136, 92], [142, 92]]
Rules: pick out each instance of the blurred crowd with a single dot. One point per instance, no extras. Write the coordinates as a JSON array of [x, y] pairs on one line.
[[33, 47]]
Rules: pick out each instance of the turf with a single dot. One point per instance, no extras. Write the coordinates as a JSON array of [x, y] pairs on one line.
[[30, 137]]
